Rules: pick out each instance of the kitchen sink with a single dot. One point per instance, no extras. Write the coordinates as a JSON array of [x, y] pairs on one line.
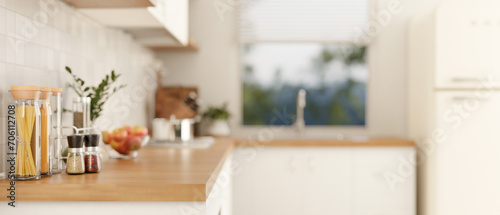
[[198, 142]]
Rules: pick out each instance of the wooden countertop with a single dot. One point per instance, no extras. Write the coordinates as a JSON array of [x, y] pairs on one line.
[[365, 142], [161, 173], [158, 174]]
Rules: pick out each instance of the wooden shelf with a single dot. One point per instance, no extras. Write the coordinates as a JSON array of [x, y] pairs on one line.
[[109, 3]]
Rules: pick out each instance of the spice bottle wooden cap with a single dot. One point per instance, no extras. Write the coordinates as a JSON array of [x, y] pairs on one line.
[[91, 140], [75, 141], [25, 92]]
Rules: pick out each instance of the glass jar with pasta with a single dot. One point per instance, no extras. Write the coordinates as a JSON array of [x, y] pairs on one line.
[[27, 116]]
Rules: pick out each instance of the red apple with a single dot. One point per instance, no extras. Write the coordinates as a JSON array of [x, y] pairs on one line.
[[119, 134], [133, 143], [106, 137], [123, 149], [139, 131], [127, 128], [115, 144]]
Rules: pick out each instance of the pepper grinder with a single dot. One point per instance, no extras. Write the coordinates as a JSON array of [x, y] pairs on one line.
[[75, 164], [92, 153]]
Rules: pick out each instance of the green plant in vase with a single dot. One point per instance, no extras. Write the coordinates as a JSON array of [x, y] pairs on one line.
[[98, 94], [218, 121]]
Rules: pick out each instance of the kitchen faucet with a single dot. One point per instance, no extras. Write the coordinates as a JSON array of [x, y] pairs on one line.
[[301, 104]]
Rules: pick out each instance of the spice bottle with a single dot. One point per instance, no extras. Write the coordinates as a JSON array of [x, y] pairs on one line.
[[26, 109], [75, 164], [92, 154]]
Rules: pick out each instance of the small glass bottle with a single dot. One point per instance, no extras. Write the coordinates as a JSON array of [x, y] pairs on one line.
[[92, 153], [75, 164], [81, 112], [57, 138]]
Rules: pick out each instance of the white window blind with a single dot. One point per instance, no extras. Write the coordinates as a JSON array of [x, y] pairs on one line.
[[302, 20]]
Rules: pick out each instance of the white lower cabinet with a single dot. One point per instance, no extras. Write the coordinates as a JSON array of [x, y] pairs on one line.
[[328, 185], [267, 181], [322, 180], [384, 181]]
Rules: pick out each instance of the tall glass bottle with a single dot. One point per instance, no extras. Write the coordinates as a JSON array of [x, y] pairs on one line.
[[46, 130], [57, 137], [27, 114]]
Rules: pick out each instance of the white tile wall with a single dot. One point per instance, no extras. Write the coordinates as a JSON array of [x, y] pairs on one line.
[[35, 54]]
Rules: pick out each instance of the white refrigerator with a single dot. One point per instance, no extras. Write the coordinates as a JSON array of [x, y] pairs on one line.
[[454, 107]]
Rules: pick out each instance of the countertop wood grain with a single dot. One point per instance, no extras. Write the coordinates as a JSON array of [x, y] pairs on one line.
[[164, 174]]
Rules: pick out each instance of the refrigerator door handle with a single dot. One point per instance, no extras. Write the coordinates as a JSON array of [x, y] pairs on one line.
[[462, 98], [465, 79]]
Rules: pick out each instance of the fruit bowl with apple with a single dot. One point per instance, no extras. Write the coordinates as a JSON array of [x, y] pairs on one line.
[[125, 142]]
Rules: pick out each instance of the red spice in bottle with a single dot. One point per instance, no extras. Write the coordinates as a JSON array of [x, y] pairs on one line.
[[92, 163]]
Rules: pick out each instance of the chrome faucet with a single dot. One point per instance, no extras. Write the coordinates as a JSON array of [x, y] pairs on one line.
[[300, 123]]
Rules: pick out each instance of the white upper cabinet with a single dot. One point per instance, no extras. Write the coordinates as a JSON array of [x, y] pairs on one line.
[[155, 23]]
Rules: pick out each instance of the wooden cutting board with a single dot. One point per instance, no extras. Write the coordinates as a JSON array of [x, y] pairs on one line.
[[170, 101]]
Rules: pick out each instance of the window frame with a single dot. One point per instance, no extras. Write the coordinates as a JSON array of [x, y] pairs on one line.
[[269, 131]]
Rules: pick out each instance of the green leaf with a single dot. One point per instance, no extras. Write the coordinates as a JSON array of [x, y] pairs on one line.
[[69, 70], [86, 89]]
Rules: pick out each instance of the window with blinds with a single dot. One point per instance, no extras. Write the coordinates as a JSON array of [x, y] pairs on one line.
[[302, 20], [288, 45]]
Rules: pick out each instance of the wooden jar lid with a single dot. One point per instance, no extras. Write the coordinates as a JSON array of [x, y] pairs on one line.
[[25, 91], [46, 93]]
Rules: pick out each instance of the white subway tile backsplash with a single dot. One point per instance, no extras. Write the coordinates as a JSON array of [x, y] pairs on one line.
[[36, 55], [10, 49], [13, 75], [28, 54], [20, 25], [10, 22], [50, 59], [2, 20], [3, 47], [10, 4], [20, 46]]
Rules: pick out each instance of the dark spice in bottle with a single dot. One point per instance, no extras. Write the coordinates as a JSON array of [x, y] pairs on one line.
[[92, 163], [92, 155]]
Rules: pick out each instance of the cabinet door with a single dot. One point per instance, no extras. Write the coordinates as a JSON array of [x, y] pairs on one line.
[[468, 162], [267, 181], [376, 192], [328, 181]]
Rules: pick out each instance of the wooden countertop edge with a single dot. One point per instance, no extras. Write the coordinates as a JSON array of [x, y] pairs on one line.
[[370, 142], [111, 192], [215, 174]]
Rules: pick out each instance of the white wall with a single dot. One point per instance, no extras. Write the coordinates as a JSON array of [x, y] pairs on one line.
[[37, 55], [215, 68]]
